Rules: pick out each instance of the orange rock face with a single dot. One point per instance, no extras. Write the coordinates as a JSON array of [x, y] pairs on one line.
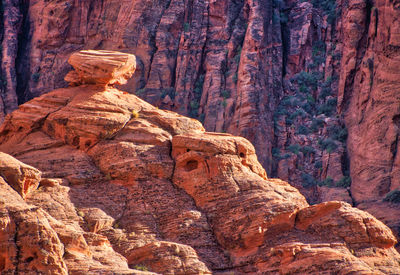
[[368, 97], [131, 189], [227, 63], [114, 68], [368, 91], [180, 47], [23, 178]]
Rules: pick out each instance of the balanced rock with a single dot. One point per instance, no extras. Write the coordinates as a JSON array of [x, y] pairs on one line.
[[100, 67]]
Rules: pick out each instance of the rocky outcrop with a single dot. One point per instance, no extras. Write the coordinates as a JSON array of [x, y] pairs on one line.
[[130, 187], [211, 60], [28, 242], [100, 67]]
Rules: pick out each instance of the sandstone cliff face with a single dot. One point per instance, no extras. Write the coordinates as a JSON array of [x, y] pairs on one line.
[[368, 97], [126, 187], [312, 84], [223, 62], [368, 94]]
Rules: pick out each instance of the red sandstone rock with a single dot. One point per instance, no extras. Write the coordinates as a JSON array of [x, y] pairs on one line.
[[28, 241], [114, 68], [368, 96], [23, 178], [227, 63], [334, 194], [177, 45], [149, 189], [368, 91]]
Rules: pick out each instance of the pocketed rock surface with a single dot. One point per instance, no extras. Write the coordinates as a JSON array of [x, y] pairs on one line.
[[130, 189]]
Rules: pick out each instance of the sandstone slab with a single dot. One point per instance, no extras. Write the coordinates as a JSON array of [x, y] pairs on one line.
[[23, 178]]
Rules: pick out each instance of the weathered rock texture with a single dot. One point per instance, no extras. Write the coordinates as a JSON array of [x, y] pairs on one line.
[[100, 67], [23, 178], [312, 84], [227, 63], [369, 95], [129, 187]]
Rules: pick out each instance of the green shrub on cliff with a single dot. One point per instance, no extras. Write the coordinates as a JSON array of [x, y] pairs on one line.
[[35, 77], [141, 267], [294, 148], [307, 150], [338, 133], [326, 182], [308, 180], [225, 94], [140, 92], [393, 196], [328, 108], [328, 7], [303, 130], [306, 80], [186, 27], [238, 54], [327, 144], [344, 182]]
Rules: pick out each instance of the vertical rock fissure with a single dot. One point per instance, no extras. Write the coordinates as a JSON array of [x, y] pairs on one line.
[[201, 71], [11, 25], [361, 49], [285, 34], [152, 39], [22, 63], [18, 248], [393, 150], [173, 70], [2, 88]]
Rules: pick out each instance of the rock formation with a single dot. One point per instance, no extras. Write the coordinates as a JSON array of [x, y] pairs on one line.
[[368, 94], [100, 67], [223, 62], [368, 97], [312, 84], [128, 188], [229, 64]]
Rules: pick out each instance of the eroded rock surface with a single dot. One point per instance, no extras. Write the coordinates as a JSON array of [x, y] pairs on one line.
[[101, 67], [368, 94], [23, 178], [132, 188]]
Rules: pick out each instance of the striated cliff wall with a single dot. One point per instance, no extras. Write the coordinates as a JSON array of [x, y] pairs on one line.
[[369, 95], [227, 63]]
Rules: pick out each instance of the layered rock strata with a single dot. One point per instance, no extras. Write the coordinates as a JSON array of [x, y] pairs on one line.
[[368, 97], [129, 187], [226, 63]]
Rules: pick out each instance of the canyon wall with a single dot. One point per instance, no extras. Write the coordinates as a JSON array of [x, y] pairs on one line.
[[227, 63], [369, 95], [312, 84]]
